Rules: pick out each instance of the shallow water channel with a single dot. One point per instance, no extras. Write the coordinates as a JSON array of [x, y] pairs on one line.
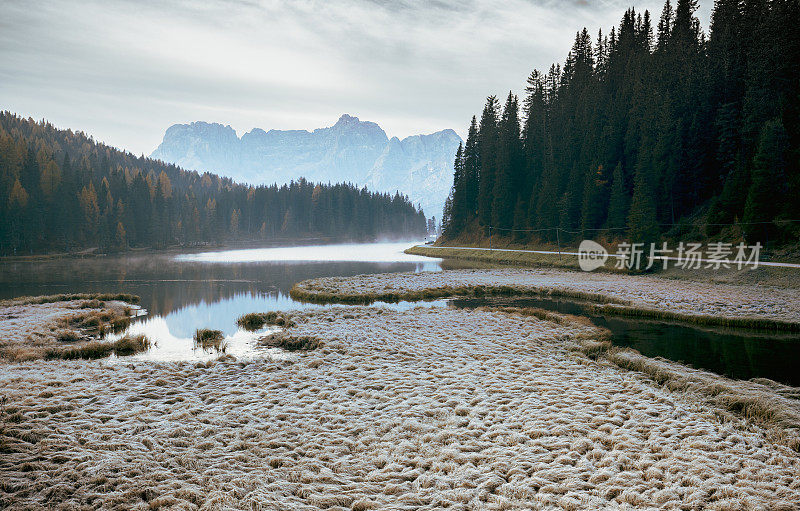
[[736, 353], [183, 291]]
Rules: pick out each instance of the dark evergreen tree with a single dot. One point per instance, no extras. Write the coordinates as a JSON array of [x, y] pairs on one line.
[[487, 154]]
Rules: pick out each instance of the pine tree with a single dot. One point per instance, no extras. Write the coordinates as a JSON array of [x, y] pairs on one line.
[[459, 208], [471, 171], [767, 187], [509, 167], [487, 151]]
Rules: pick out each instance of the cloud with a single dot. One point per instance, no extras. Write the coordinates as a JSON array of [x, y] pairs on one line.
[[126, 70]]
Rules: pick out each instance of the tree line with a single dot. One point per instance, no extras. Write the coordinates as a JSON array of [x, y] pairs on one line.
[[62, 191], [646, 132]]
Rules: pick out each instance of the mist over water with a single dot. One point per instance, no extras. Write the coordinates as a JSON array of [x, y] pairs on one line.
[[354, 252]]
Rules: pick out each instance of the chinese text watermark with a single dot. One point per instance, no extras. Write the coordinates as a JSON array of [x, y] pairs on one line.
[[687, 256]]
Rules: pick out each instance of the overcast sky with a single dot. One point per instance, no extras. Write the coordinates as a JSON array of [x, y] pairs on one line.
[[124, 71]]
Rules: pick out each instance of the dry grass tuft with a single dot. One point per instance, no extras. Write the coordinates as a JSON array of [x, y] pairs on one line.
[[291, 342], [256, 320], [128, 345], [68, 336], [209, 339]]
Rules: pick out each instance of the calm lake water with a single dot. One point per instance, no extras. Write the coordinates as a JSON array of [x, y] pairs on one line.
[[182, 292]]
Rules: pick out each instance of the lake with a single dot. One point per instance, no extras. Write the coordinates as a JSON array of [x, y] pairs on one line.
[[182, 292]]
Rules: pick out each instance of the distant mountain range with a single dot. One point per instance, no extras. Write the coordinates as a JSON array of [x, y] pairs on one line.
[[355, 151]]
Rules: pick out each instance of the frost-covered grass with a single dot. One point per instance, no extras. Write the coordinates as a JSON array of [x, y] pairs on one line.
[[60, 326], [422, 409], [700, 302]]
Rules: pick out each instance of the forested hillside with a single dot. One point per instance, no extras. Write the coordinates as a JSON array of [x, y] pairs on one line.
[[62, 191], [654, 129]]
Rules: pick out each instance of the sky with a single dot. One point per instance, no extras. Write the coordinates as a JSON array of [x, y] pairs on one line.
[[124, 71]]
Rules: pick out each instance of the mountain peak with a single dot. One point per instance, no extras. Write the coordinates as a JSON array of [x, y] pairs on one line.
[[347, 119], [352, 150]]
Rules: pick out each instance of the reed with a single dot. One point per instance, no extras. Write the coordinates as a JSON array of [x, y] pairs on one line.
[[256, 320], [209, 339], [290, 342], [128, 345]]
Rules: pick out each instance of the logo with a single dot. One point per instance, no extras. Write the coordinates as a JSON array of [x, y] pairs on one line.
[[591, 255]]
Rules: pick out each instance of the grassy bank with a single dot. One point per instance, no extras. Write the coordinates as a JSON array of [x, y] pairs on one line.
[[70, 297], [788, 278], [303, 294], [697, 319], [499, 257]]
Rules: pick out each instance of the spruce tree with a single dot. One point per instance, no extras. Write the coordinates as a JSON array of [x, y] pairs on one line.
[[767, 187], [487, 151]]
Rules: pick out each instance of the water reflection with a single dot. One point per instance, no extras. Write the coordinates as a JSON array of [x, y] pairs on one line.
[[184, 292], [167, 283]]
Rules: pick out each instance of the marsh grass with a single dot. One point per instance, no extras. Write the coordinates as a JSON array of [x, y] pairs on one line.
[[67, 297], [68, 336], [100, 322], [256, 320], [128, 345], [301, 293], [208, 339], [754, 400], [290, 342]]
